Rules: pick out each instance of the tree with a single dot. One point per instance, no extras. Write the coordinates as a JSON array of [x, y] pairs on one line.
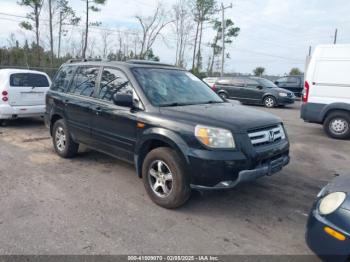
[[201, 9], [183, 27], [151, 28], [91, 5], [33, 17], [230, 33], [295, 72], [66, 14], [259, 71]]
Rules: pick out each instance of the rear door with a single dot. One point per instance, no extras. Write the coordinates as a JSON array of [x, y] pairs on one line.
[[28, 89], [252, 92]]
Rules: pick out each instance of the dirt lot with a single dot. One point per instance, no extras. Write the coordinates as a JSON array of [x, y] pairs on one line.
[[94, 204]]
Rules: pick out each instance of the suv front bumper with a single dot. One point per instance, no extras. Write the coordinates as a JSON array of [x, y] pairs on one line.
[[228, 169]]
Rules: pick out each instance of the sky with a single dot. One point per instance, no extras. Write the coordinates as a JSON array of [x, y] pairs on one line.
[[275, 34]]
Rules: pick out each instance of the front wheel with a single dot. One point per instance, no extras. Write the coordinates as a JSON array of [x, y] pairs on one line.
[[62, 141], [164, 178], [270, 102], [337, 125]]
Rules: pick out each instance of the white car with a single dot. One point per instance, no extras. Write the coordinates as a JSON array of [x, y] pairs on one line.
[[326, 98], [22, 93]]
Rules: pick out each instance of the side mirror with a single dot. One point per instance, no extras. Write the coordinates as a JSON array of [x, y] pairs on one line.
[[260, 87], [125, 100]]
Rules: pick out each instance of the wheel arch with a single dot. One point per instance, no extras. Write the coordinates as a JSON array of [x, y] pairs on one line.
[[53, 119], [158, 137], [344, 107]]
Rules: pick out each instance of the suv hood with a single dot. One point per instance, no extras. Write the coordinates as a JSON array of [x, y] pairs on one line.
[[236, 118]]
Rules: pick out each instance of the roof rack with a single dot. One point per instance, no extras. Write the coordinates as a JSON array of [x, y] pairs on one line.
[[147, 62], [84, 60]]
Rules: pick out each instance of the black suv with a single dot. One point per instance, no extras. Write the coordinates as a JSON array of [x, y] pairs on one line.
[[253, 90], [177, 132], [292, 83]]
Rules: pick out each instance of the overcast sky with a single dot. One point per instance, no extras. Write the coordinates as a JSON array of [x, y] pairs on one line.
[[275, 34]]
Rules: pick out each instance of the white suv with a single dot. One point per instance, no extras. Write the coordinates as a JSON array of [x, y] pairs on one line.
[[22, 93]]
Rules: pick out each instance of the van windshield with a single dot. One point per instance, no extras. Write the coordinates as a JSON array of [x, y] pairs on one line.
[[168, 87]]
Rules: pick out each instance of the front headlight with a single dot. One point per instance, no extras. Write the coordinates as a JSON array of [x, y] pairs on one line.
[[331, 202], [283, 94], [214, 137]]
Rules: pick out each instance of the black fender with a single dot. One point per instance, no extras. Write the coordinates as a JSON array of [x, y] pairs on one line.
[[164, 135], [333, 107]]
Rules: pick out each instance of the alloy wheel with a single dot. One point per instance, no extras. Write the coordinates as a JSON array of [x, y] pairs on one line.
[[269, 102], [60, 138], [160, 178]]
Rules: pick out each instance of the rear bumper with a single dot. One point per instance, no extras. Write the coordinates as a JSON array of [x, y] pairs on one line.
[[12, 112], [220, 169], [312, 112]]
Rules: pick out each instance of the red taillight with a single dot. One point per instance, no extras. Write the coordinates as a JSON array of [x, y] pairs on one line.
[[4, 93], [5, 99], [306, 92]]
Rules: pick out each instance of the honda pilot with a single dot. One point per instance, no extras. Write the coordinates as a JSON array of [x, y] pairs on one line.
[[177, 132]]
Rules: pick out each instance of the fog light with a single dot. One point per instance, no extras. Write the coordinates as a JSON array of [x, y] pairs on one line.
[[334, 233]]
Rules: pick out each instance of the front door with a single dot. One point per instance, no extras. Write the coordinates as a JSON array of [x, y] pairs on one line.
[[114, 127], [79, 102]]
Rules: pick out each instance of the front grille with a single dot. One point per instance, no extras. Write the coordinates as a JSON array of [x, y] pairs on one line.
[[267, 135]]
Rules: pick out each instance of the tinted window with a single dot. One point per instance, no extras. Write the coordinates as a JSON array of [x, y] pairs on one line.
[[283, 80], [238, 82], [251, 83], [113, 81], [266, 83], [29, 79], [293, 80], [63, 78], [84, 81], [165, 87]]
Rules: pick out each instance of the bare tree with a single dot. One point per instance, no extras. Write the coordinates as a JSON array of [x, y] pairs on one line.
[[33, 17], [151, 28], [66, 15], [105, 40], [183, 27], [90, 7]]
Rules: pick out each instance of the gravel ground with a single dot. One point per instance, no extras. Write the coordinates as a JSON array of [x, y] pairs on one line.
[[94, 204]]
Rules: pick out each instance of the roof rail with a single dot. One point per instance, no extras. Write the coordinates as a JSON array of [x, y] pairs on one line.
[[147, 62], [84, 60]]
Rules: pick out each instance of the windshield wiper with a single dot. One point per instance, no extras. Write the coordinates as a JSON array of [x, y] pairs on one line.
[[213, 102], [174, 104]]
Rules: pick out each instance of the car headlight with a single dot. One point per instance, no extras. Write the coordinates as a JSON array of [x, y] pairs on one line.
[[283, 94], [214, 137], [331, 202]]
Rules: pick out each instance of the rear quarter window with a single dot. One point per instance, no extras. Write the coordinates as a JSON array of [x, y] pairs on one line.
[[28, 79], [63, 78]]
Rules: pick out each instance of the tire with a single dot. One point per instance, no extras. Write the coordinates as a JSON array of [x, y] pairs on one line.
[[63, 143], [337, 125], [3, 122], [223, 95], [164, 190], [269, 102]]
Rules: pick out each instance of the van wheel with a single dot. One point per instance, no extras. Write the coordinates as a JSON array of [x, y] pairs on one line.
[[164, 178], [62, 141], [223, 95], [270, 102], [337, 125]]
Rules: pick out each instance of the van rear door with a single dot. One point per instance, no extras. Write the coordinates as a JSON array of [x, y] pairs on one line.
[[28, 89]]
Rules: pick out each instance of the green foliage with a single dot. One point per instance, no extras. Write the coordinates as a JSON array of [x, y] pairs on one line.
[[259, 71], [203, 9], [295, 72], [27, 26]]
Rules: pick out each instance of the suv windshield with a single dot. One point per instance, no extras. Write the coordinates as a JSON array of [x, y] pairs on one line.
[[267, 83], [167, 87]]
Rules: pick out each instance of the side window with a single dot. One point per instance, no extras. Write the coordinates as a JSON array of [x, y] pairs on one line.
[[283, 80], [113, 81], [292, 80], [237, 82], [252, 83], [84, 81], [63, 78]]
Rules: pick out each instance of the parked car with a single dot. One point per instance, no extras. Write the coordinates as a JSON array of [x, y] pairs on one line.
[[326, 98], [22, 93], [294, 84], [175, 130], [253, 90], [328, 227], [210, 81]]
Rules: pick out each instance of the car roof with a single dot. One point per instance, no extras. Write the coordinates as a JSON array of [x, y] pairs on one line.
[[126, 64], [8, 71]]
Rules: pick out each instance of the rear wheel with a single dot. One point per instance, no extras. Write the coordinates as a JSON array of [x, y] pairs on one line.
[[223, 95], [164, 178], [270, 102], [63, 143], [3, 122], [337, 125]]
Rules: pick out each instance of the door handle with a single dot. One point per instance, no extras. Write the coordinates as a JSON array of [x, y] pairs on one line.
[[66, 102], [98, 110]]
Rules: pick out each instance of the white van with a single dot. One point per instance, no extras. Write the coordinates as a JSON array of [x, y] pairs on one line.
[[326, 97], [22, 93]]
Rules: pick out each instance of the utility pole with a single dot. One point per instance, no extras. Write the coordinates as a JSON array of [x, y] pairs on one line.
[[335, 36], [222, 9]]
